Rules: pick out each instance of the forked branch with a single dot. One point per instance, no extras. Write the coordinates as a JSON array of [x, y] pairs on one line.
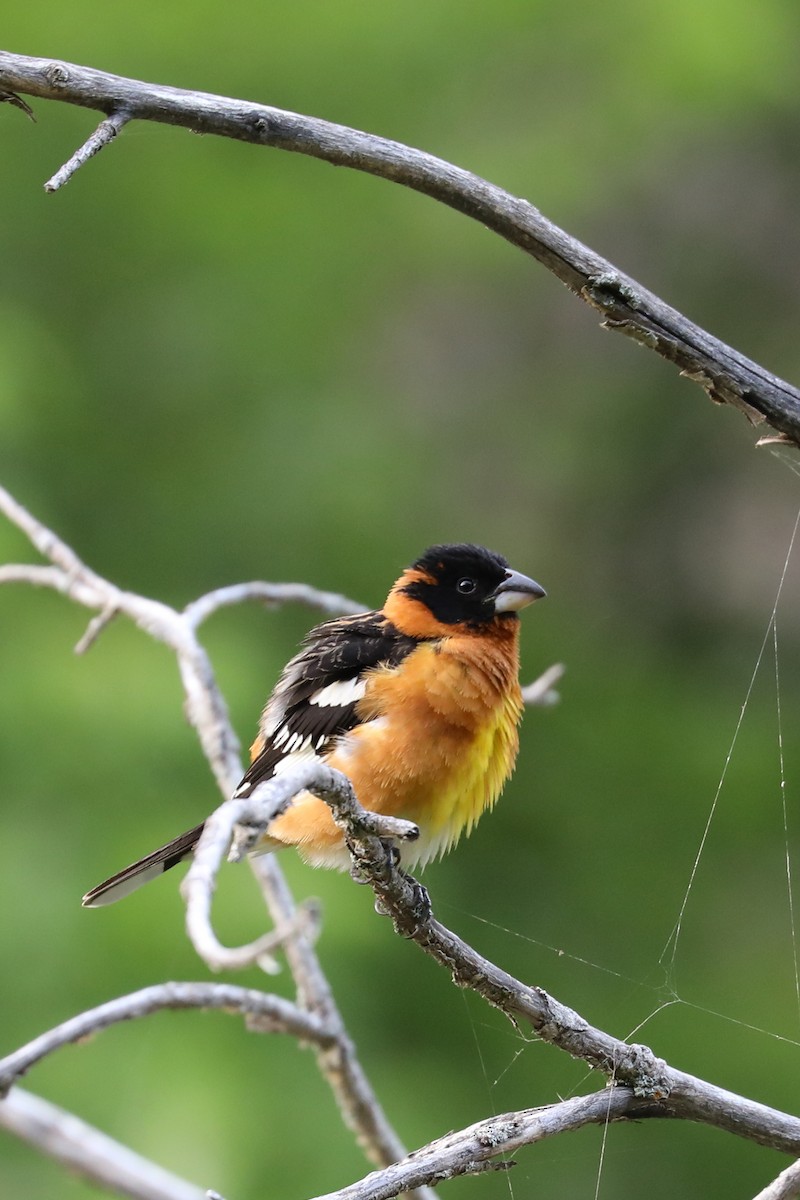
[[654, 1089], [208, 713]]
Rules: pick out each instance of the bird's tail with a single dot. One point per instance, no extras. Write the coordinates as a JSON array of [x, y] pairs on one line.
[[132, 877]]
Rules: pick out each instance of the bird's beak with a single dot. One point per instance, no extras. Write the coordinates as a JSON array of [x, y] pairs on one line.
[[515, 592]]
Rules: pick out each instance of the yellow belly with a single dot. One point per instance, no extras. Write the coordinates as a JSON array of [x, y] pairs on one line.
[[437, 742]]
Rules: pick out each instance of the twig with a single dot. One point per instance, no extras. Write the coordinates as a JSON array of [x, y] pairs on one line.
[[106, 132], [541, 693], [469, 1151], [267, 1014], [94, 629], [724, 374], [242, 821], [83, 1148], [339, 1064], [785, 1187], [270, 594]]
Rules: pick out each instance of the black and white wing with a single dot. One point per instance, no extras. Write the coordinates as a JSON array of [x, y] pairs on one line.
[[312, 705], [315, 700]]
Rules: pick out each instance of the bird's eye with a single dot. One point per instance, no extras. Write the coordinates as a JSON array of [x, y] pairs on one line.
[[466, 585]]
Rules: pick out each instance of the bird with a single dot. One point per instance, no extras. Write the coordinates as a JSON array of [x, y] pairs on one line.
[[417, 703]]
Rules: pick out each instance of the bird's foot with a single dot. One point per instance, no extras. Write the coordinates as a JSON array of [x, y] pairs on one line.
[[420, 905]]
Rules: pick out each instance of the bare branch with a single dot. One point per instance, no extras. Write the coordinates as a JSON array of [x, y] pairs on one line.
[[541, 693], [44, 540], [94, 628], [83, 1148], [106, 132], [675, 1093], [671, 1093], [205, 707], [267, 1014], [724, 374], [339, 1064], [270, 594], [207, 711], [785, 1187], [469, 1151], [243, 821]]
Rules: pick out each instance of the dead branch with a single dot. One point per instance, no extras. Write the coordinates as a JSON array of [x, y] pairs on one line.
[[267, 1014], [470, 1151], [724, 374], [82, 1148], [271, 595], [106, 132], [675, 1093], [785, 1187], [671, 1093], [208, 714], [654, 1088]]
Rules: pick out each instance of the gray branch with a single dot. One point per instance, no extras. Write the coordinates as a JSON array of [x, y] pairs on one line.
[[653, 1087], [106, 132], [208, 713], [471, 1151], [267, 1014], [673, 1093], [726, 375], [785, 1187], [238, 823], [93, 1154], [271, 595]]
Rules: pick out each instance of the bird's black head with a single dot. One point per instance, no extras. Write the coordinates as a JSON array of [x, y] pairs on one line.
[[467, 585]]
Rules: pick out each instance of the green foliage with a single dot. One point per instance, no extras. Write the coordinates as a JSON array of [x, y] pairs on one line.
[[222, 363]]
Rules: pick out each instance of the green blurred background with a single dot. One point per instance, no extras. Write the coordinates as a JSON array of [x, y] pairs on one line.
[[221, 363]]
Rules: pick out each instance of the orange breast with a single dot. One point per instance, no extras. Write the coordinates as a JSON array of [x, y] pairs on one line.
[[436, 742]]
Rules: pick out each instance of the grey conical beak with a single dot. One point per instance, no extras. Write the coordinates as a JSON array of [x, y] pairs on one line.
[[515, 592]]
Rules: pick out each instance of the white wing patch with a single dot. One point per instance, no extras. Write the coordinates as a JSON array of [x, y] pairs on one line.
[[295, 757], [339, 694], [291, 743]]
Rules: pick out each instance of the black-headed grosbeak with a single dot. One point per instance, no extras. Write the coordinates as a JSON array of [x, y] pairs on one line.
[[418, 704]]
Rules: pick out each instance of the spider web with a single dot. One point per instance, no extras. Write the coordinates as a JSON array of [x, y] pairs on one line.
[[663, 989]]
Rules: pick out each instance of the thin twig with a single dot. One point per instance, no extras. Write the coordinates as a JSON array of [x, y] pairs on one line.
[[339, 1064], [270, 594], [724, 374], [541, 693], [106, 132], [94, 629], [267, 1014], [82, 1148]]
